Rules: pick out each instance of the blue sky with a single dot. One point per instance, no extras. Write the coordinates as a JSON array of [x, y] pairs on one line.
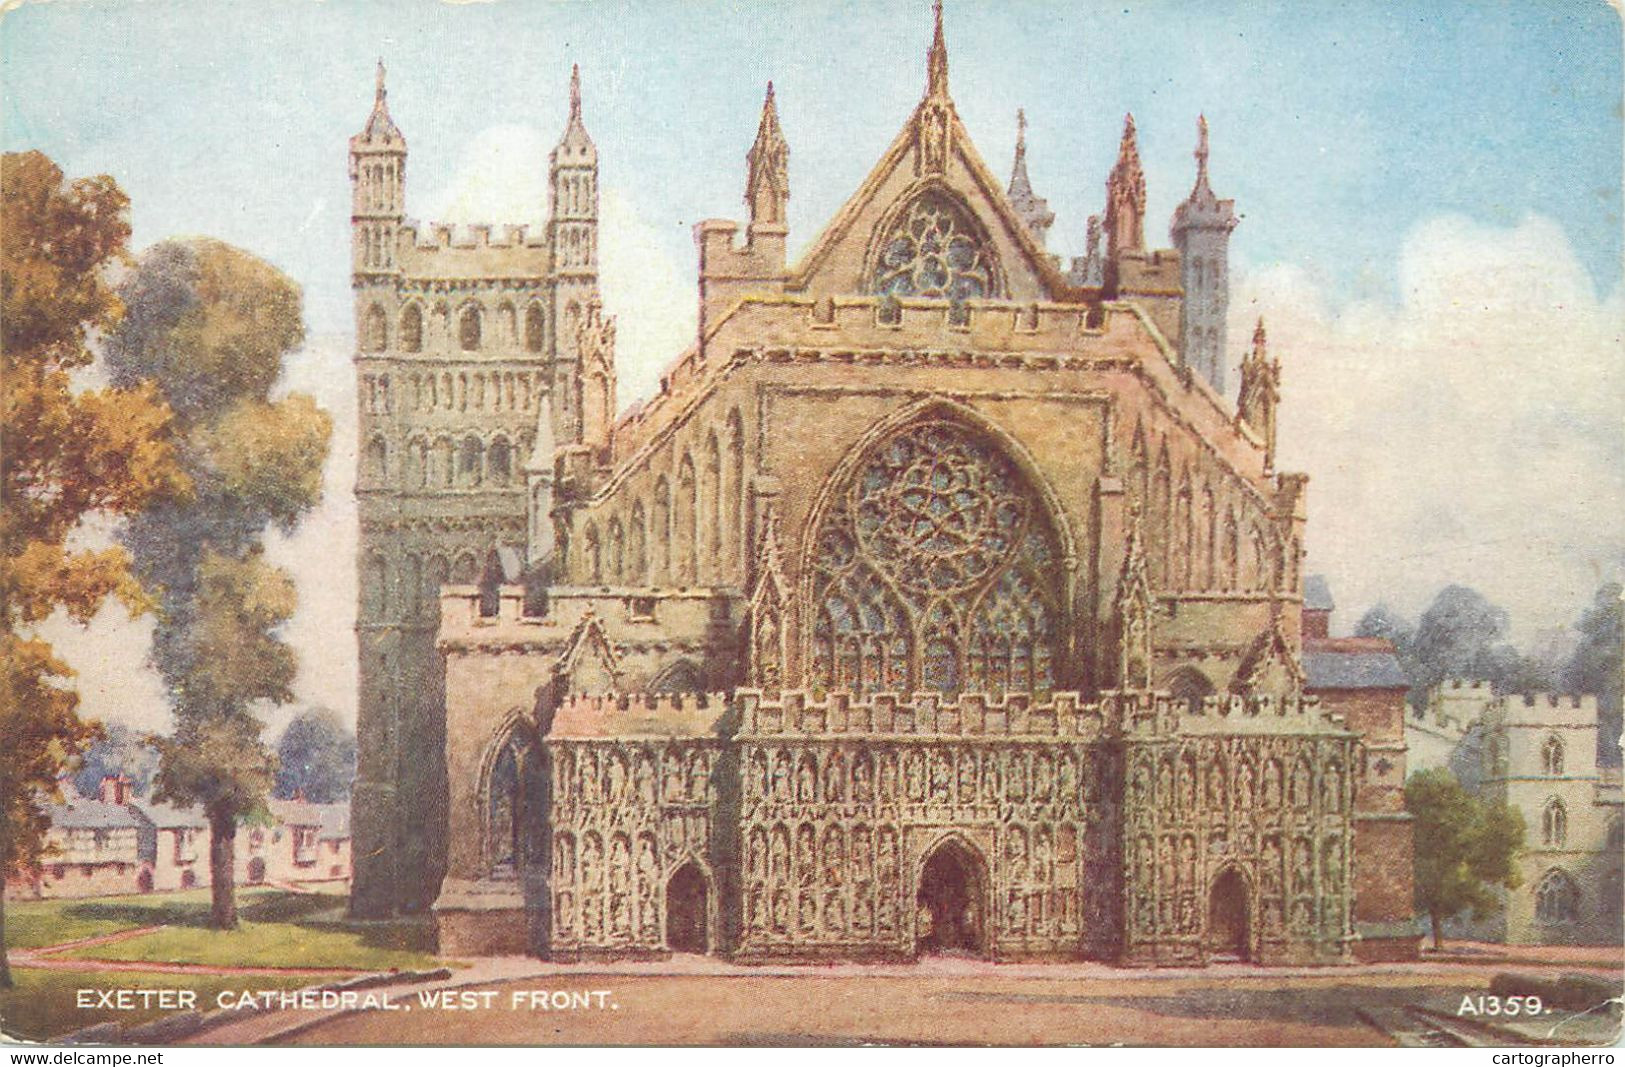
[[1430, 196]]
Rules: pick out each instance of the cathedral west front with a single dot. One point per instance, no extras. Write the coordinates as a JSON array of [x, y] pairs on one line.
[[939, 601]]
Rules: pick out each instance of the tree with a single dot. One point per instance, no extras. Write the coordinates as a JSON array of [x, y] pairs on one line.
[[1463, 847], [71, 454], [1598, 666], [1461, 635], [315, 758], [208, 326], [119, 751]]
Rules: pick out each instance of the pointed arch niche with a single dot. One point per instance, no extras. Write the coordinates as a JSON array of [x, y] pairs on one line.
[[936, 564]]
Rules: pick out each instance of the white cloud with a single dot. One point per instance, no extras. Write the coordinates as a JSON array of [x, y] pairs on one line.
[[1471, 434]]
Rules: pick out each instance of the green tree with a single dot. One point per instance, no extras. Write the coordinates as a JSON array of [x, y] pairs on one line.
[[315, 758], [208, 326], [120, 751], [71, 454], [1464, 847], [1598, 667]]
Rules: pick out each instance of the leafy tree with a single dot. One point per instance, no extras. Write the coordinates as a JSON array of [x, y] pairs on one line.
[[1381, 621], [1462, 635], [315, 758], [71, 454], [1598, 666], [1463, 847], [119, 751], [208, 325]]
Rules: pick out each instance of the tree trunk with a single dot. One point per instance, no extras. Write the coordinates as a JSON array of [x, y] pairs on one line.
[[5, 964], [1438, 923], [222, 869]]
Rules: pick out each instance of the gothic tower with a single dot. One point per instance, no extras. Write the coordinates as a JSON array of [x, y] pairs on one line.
[[573, 238], [453, 368], [1201, 231]]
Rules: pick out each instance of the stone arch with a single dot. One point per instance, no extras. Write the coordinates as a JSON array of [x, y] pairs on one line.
[[960, 264], [1188, 685], [678, 676], [507, 764], [1557, 897], [952, 888], [375, 329], [499, 461], [1551, 756], [416, 474], [470, 327], [591, 560], [1554, 823], [376, 467], [616, 543], [685, 522], [444, 462], [870, 627], [470, 462], [410, 330], [535, 327], [1229, 928], [660, 535], [690, 908]]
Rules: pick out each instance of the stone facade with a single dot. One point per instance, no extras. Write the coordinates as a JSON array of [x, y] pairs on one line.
[[937, 602]]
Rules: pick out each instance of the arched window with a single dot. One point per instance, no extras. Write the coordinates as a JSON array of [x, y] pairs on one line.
[[1551, 756], [661, 534], [411, 328], [499, 461], [617, 551], [535, 335], [711, 503], [469, 461], [376, 330], [377, 461], [444, 464], [1557, 898], [505, 815], [936, 567], [735, 496], [686, 521], [468, 328], [1554, 824], [935, 249], [637, 545], [507, 325], [592, 561]]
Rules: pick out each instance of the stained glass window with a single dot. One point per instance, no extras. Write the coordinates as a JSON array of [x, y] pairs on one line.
[[934, 251], [935, 568]]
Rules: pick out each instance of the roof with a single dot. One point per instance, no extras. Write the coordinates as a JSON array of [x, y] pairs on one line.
[[663, 715], [169, 817], [1352, 663], [331, 820], [1317, 595], [80, 814]]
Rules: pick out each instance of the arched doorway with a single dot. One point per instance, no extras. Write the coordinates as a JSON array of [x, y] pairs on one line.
[[688, 904], [951, 903], [1227, 932], [256, 871]]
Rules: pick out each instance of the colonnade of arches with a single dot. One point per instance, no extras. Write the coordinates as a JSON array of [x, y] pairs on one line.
[[447, 461], [470, 325]]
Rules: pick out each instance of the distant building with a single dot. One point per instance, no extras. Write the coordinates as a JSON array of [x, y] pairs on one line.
[[118, 844], [1360, 679], [1442, 732]]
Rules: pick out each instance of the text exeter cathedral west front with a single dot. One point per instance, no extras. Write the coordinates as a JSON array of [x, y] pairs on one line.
[[939, 600]]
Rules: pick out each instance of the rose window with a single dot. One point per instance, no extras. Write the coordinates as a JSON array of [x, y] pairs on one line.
[[934, 251], [936, 568]]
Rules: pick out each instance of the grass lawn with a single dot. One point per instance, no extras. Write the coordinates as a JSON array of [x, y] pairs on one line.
[[278, 929], [43, 1004]]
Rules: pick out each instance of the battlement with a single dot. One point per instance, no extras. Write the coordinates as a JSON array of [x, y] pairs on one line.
[[633, 715], [441, 235], [1569, 701], [1058, 715]]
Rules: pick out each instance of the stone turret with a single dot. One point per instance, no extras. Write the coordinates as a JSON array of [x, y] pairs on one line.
[[377, 189], [1125, 198], [573, 237], [1032, 209], [1260, 393], [1201, 232]]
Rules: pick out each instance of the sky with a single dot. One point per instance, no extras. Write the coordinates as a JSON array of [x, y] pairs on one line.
[[1430, 197]]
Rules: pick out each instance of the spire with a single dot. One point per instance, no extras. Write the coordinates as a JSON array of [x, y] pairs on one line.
[[380, 127], [575, 148], [1125, 197], [936, 60], [1201, 151], [1033, 210], [1260, 339], [575, 92], [1260, 394], [381, 91], [767, 179]]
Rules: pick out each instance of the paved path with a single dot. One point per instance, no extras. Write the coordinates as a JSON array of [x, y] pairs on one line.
[[703, 1000]]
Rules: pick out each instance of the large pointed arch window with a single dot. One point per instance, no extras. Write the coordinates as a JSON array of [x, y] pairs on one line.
[[934, 249], [935, 568]]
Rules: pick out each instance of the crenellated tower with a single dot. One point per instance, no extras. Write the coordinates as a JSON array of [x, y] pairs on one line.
[[1201, 232], [1260, 393]]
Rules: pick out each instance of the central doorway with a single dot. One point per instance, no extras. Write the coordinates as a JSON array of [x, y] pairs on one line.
[[688, 903], [950, 919], [1227, 917]]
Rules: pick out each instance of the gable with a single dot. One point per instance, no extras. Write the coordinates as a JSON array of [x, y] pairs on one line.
[[931, 159]]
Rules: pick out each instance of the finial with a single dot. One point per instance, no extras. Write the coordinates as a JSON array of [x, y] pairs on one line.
[[1201, 148], [381, 78], [1259, 340], [937, 59], [1128, 128], [1021, 131], [575, 92]]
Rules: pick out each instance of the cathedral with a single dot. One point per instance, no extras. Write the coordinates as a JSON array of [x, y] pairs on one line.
[[939, 601]]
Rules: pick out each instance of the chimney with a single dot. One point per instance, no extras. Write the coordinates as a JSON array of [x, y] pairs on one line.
[[115, 789]]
